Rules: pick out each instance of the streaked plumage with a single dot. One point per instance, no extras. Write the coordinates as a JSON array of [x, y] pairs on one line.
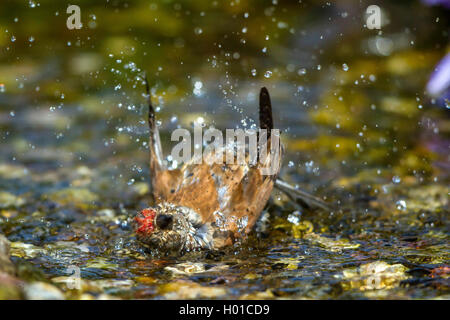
[[201, 206]]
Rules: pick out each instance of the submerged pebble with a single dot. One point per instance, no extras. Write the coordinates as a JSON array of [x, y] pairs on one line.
[[182, 289], [25, 250], [330, 244], [374, 276]]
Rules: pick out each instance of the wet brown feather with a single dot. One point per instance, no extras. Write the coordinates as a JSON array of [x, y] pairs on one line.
[[234, 190], [237, 191]]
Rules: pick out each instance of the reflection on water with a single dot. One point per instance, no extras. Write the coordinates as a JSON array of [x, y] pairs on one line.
[[357, 123]]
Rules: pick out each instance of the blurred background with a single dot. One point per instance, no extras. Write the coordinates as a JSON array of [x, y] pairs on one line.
[[78, 93], [360, 125]]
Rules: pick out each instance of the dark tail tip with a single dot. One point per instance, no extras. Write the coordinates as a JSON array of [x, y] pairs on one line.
[[151, 111], [265, 110]]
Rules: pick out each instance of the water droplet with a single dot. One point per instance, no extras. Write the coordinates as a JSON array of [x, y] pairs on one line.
[[282, 25], [345, 67], [200, 120], [301, 71], [198, 85], [396, 179], [242, 224], [401, 205], [268, 74], [294, 217]]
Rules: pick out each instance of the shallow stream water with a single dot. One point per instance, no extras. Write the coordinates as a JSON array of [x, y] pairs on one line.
[[358, 127]]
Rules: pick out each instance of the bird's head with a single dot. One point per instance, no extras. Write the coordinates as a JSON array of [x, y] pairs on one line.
[[168, 227]]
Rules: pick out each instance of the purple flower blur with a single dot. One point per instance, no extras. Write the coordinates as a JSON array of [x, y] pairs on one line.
[[444, 3], [439, 83]]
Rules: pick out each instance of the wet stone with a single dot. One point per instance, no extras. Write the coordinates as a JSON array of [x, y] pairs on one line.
[[374, 276], [77, 197], [330, 244], [181, 289], [25, 250], [8, 200], [42, 291], [6, 265], [8, 171]]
